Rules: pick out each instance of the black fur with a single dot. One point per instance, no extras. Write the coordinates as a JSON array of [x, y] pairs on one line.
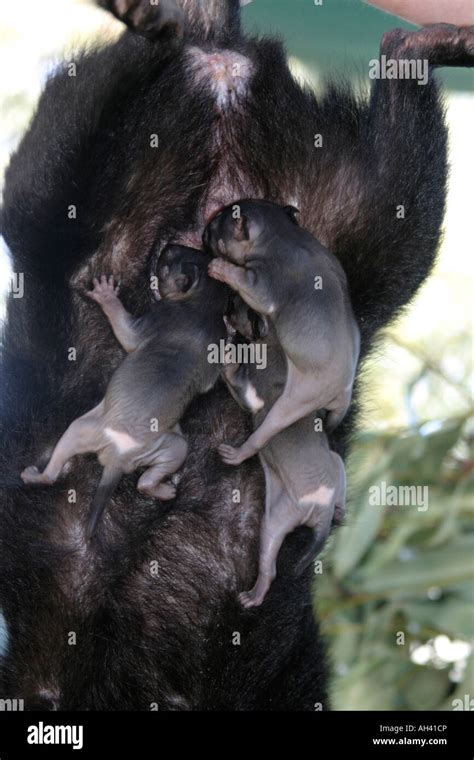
[[170, 638]]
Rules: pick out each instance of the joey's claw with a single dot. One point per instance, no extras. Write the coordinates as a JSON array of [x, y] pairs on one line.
[[103, 289], [248, 599], [166, 491]]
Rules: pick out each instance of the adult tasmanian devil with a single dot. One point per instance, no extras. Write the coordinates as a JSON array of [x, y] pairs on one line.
[[140, 148]]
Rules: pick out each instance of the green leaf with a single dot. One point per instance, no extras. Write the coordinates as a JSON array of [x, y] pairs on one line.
[[449, 565], [354, 540], [452, 616]]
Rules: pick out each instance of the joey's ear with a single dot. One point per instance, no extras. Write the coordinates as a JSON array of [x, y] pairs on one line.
[[242, 228], [188, 278], [293, 213]]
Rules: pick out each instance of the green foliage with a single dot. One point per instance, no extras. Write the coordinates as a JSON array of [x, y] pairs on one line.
[[397, 588]]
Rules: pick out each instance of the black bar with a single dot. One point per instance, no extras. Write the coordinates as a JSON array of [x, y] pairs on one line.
[[155, 734]]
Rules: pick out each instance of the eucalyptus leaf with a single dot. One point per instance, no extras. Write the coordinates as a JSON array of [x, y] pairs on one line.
[[443, 567], [452, 616]]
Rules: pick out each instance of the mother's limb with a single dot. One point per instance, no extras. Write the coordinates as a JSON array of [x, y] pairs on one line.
[[202, 17], [147, 18], [385, 177], [280, 518]]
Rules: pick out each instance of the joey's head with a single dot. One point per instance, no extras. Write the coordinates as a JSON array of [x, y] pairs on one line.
[[245, 320], [247, 228], [182, 272]]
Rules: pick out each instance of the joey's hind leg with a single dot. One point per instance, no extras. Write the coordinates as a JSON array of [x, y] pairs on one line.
[[283, 413], [150, 19], [278, 521], [169, 458], [83, 436]]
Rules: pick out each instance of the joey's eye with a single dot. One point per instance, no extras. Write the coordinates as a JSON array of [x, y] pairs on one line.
[[242, 228], [293, 213]]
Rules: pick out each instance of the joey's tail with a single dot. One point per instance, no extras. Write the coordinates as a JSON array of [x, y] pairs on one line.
[[107, 485], [317, 541], [326, 519]]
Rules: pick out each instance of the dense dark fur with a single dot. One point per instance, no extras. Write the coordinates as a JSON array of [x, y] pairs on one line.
[[170, 638]]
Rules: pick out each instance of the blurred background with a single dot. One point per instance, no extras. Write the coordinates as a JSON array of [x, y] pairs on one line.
[[396, 590]]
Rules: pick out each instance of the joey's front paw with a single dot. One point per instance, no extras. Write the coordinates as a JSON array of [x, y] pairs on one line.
[[231, 455], [221, 270], [150, 19], [104, 290]]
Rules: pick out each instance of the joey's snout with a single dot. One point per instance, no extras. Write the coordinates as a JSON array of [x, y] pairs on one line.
[[180, 271], [227, 235]]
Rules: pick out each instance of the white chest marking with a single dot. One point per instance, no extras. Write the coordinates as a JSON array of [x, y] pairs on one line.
[[122, 441], [322, 496], [252, 399]]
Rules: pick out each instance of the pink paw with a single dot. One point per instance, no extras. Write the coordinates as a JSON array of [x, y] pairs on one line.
[[250, 599], [103, 290], [219, 270], [31, 475], [230, 455]]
